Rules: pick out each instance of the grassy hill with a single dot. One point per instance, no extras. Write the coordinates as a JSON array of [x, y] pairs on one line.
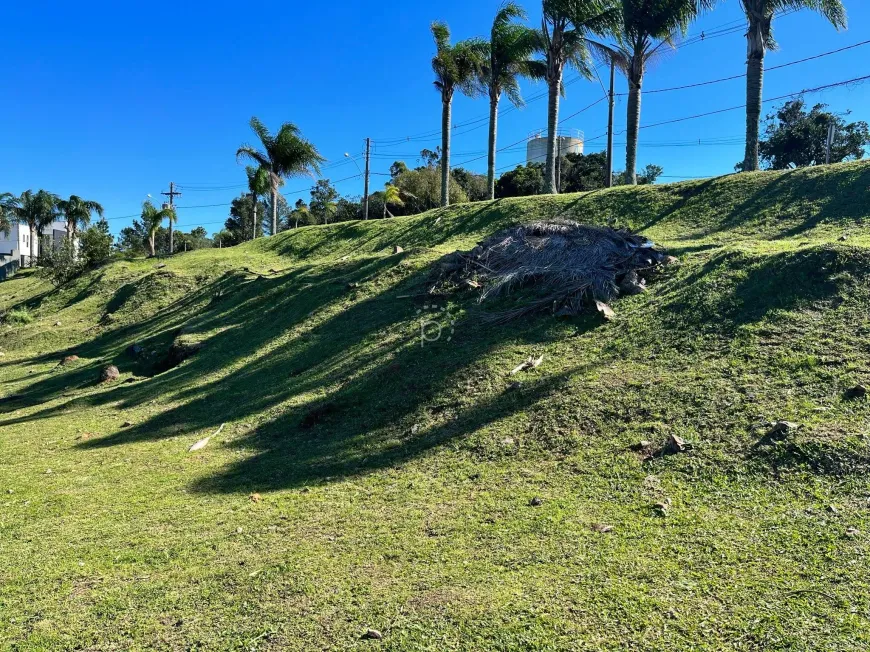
[[365, 480]]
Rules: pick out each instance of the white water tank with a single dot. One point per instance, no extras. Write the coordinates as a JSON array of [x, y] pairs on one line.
[[568, 141]]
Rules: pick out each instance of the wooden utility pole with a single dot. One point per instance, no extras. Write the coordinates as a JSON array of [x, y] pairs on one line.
[[172, 194], [832, 133], [609, 176], [366, 195]]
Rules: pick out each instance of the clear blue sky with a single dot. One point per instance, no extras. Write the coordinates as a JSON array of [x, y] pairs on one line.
[[112, 101]]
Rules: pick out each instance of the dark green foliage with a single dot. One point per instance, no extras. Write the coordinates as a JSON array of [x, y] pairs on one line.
[[524, 181], [95, 244], [473, 184], [795, 137]]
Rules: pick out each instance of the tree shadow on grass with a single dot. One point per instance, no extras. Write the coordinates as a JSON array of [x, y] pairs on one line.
[[262, 308], [735, 288]]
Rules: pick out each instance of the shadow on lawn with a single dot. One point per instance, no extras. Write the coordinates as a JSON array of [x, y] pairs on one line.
[[343, 385]]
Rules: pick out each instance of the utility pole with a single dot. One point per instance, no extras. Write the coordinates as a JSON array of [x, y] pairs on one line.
[[609, 179], [368, 159], [832, 132], [172, 194], [558, 163]]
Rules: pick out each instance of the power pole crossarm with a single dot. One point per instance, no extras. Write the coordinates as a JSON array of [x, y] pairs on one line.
[[172, 194]]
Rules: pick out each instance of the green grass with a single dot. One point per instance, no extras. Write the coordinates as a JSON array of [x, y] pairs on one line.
[[395, 479]]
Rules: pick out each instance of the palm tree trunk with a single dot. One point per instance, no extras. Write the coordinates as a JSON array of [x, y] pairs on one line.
[[254, 199], [754, 85], [493, 132], [274, 210], [632, 128], [552, 133], [446, 109], [153, 246], [171, 239]]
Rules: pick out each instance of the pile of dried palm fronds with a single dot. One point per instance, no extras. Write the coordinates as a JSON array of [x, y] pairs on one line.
[[573, 265]]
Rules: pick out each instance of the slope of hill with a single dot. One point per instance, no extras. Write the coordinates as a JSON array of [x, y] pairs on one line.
[[367, 479]]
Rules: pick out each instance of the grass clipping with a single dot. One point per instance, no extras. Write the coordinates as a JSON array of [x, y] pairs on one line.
[[569, 265]]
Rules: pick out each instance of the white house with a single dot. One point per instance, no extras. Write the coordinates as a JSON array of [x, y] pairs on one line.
[[17, 244]]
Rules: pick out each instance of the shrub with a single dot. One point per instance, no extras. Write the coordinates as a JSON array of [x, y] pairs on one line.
[[61, 264], [18, 316]]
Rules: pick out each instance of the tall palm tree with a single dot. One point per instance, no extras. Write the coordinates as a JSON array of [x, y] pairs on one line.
[[152, 218], [759, 37], [646, 33], [510, 48], [77, 212], [258, 185], [392, 195], [47, 213], [460, 67], [563, 40], [284, 155]]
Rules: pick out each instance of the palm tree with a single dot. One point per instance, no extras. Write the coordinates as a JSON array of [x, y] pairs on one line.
[[153, 218], [284, 155], [460, 67], [563, 40], [759, 37], [258, 185], [510, 48], [646, 33], [77, 212], [8, 212], [392, 195]]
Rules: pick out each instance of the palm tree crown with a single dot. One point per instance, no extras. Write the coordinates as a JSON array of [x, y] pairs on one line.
[[284, 155], [563, 40], [8, 212], [511, 46], [759, 38], [647, 32], [152, 218], [460, 67], [77, 212]]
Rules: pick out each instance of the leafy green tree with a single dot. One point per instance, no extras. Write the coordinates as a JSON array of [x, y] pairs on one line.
[[286, 154], [563, 40], [476, 186], [324, 201], [422, 190], [77, 212], [795, 137], [96, 244], [510, 48], [397, 168], [759, 38], [582, 172], [152, 218], [242, 222], [459, 67], [133, 240], [522, 181], [646, 32]]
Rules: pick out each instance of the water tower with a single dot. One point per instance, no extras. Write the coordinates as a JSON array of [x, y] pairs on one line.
[[568, 141]]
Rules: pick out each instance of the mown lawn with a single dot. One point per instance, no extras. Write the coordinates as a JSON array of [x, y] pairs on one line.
[[364, 480]]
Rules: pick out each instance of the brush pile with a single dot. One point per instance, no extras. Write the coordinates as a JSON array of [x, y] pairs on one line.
[[569, 265]]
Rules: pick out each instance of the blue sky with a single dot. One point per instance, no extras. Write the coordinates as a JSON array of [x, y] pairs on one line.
[[112, 101]]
